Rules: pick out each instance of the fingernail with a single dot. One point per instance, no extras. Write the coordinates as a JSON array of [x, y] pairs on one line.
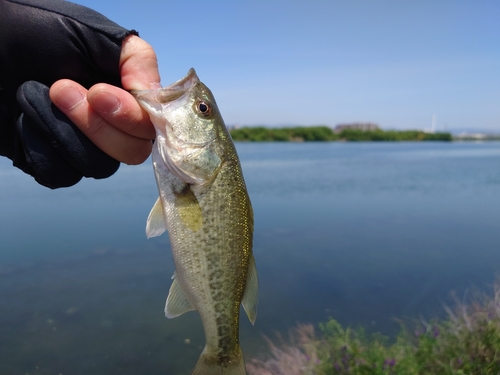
[[105, 102], [68, 98]]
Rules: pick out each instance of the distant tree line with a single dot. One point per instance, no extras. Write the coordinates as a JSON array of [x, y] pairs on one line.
[[392, 135], [298, 133], [324, 133]]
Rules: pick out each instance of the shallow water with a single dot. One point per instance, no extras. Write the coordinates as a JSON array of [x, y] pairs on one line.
[[363, 232]]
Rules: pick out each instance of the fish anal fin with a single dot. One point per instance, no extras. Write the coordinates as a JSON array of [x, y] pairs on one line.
[[155, 225], [189, 209], [250, 299], [177, 301]]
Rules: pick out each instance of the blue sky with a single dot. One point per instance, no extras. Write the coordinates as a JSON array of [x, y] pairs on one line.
[[396, 63]]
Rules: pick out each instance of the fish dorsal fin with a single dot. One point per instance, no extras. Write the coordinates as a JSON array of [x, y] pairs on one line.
[[177, 301], [155, 225], [251, 295]]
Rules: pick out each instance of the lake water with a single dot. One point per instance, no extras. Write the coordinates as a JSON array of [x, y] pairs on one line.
[[362, 232]]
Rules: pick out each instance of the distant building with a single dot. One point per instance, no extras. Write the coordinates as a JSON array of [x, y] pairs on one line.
[[476, 136], [363, 126]]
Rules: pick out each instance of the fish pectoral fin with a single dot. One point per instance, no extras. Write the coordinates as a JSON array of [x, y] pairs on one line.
[[188, 208], [251, 295], [177, 301], [155, 225]]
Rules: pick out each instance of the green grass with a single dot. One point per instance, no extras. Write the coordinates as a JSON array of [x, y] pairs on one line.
[[466, 342]]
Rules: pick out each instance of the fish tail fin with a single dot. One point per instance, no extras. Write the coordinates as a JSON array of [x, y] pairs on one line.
[[208, 365]]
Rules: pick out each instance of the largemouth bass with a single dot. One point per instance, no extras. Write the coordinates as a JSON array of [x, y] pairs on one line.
[[204, 206]]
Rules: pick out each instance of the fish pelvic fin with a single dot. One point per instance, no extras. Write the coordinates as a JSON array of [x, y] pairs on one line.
[[177, 301], [210, 365], [250, 299], [155, 225]]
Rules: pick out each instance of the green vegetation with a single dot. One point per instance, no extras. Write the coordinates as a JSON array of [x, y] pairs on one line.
[[324, 133], [467, 342], [392, 135], [299, 133]]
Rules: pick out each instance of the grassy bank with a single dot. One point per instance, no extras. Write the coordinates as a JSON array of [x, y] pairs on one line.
[[467, 342], [326, 134]]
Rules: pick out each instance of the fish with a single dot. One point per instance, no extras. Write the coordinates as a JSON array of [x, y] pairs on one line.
[[204, 206]]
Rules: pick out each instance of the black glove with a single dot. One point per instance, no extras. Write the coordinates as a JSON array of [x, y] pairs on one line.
[[42, 41]]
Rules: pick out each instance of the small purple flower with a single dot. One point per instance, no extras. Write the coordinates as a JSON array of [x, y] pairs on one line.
[[388, 362], [417, 333], [435, 331], [337, 366]]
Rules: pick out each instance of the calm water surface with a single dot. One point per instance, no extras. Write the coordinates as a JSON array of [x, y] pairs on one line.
[[363, 232]]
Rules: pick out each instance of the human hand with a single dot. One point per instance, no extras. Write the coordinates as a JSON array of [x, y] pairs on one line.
[[44, 41], [108, 115]]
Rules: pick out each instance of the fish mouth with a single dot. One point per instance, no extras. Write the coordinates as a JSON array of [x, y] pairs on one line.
[[176, 90]]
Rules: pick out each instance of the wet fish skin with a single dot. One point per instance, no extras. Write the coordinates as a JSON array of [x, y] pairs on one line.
[[204, 205]]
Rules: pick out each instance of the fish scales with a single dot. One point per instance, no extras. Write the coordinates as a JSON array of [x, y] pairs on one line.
[[202, 260], [206, 209]]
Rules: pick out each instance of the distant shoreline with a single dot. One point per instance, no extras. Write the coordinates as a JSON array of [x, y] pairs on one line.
[[326, 134]]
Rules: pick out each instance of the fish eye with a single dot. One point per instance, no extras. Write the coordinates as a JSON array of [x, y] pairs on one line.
[[204, 108]]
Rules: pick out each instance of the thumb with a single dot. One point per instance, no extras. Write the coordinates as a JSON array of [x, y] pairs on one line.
[[138, 64]]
